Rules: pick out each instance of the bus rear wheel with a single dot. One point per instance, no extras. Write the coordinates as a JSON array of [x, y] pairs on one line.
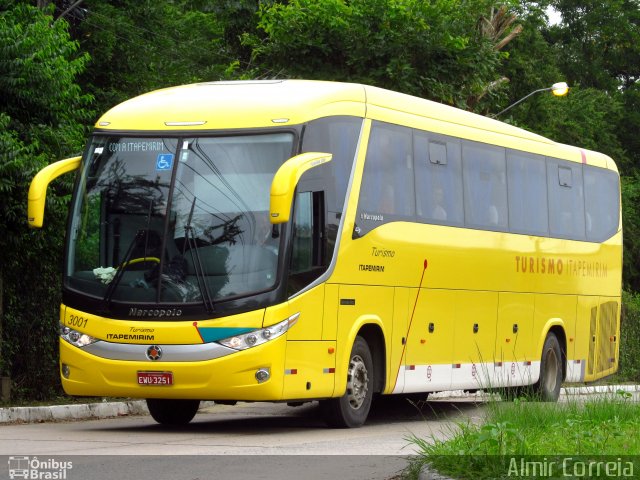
[[351, 410], [547, 389], [172, 411]]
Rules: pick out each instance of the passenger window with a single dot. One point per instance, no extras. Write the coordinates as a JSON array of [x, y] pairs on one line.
[[339, 136], [527, 187], [386, 193], [602, 203], [438, 178], [566, 199], [485, 186]]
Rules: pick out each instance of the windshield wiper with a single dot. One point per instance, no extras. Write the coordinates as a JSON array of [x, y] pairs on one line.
[[123, 266], [190, 239], [127, 256]]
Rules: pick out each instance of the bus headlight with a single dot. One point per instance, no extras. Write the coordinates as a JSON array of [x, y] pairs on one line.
[[258, 337], [76, 338]]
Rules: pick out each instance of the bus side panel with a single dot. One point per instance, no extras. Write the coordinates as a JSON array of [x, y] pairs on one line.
[[603, 339], [553, 309], [310, 363], [361, 305], [403, 301], [584, 344], [430, 342], [310, 305], [309, 370], [514, 336], [474, 339], [330, 317]]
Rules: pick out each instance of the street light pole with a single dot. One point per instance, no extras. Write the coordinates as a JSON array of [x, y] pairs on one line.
[[558, 89]]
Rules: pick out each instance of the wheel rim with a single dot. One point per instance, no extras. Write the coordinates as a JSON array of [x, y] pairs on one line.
[[551, 370], [357, 382]]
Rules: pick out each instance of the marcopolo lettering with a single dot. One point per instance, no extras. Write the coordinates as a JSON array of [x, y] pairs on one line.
[[372, 217], [155, 312]]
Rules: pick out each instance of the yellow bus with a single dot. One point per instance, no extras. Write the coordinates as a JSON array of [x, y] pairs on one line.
[[292, 241]]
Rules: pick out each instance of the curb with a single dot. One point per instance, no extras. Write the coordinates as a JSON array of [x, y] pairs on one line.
[[481, 395], [106, 409], [613, 389], [83, 411], [72, 412]]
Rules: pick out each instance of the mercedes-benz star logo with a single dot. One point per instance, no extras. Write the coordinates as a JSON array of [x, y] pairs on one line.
[[154, 352]]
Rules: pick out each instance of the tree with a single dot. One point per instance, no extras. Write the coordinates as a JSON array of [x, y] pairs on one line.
[[530, 61], [433, 49], [598, 42], [42, 112], [139, 46]]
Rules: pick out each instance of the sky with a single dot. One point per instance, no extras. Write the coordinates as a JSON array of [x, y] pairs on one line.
[[554, 16]]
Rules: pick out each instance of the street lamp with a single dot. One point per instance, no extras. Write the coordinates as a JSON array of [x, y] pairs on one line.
[[559, 89]]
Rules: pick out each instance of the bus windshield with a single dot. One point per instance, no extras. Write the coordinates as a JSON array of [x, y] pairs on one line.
[[175, 220]]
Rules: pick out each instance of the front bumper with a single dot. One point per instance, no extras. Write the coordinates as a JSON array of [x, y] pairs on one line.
[[230, 377]]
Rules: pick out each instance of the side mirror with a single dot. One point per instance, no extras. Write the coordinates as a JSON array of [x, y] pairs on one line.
[[38, 188], [284, 183]]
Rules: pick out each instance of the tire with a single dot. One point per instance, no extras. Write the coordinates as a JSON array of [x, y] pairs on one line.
[[547, 389], [351, 410], [172, 412]]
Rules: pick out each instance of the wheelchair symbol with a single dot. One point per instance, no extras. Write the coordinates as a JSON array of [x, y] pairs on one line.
[[164, 161]]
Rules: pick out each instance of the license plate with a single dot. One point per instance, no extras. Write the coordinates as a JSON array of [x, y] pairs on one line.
[[155, 378]]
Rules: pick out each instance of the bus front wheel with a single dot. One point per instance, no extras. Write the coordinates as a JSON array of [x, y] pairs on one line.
[[172, 411], [352, 408], [547, 389]]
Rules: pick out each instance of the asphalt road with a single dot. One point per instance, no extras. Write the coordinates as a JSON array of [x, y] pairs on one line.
[[249, 440]]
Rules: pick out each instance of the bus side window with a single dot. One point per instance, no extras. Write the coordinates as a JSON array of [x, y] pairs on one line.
[[527, 186], [308, 254], [438, 179], [339, 136], [485, 186], [386, 193], [601, 203], [566, 199]]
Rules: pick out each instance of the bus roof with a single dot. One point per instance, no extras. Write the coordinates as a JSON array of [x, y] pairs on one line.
[[277, 103]]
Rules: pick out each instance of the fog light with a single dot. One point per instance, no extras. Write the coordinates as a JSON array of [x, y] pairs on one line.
[[263, 375], [66, 370]]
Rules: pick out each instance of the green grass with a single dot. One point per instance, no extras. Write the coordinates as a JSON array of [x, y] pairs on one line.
[[604, 427]]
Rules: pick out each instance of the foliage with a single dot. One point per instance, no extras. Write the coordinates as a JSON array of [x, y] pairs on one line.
[[530, 64], [598, 43], [138, 46], [631, 227], [42, 117], [628, 127], [587, 118], [433, 49], [629, 335]]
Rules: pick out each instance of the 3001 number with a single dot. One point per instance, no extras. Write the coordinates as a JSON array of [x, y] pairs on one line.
[[77, 321]]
